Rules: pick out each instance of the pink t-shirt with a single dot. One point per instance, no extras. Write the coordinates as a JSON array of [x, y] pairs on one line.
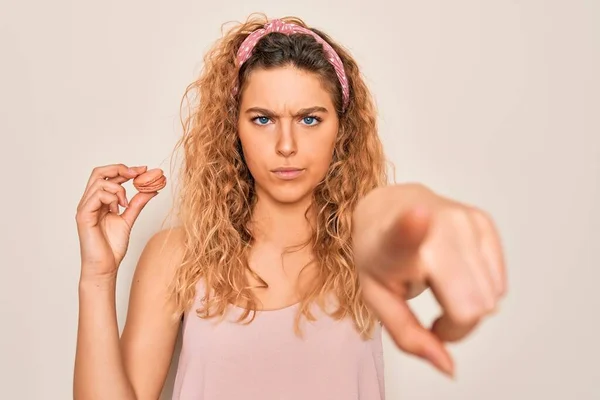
[[265, 360]]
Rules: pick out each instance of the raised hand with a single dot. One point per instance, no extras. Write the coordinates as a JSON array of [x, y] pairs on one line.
[[103, 232], [407, 238]]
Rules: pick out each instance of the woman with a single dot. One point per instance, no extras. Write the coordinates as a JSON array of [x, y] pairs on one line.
[[291, 249]]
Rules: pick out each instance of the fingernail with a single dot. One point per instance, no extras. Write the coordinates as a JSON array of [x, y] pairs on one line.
[[447, 368], [450, 373], [131, 171], [443, 363]]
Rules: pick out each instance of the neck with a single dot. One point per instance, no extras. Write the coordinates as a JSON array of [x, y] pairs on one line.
[[281, 224]]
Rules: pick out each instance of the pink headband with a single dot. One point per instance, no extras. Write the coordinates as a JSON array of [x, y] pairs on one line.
[[277, 25]]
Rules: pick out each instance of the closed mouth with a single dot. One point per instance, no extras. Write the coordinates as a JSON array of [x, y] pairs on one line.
[[288, 173], [287, 169]]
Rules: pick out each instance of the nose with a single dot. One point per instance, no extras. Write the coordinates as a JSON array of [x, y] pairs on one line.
[[287, 144]]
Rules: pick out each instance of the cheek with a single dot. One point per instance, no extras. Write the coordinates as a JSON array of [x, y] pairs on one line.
[[253, 158], [321, 153], [252, 149], [321, 160]]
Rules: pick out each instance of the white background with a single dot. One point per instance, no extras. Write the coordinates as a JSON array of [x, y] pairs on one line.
[[495, 103]]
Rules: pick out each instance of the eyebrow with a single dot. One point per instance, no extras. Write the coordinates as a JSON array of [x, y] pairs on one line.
[[303, 111]]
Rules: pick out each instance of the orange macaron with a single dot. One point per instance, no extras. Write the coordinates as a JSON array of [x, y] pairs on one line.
[[150, 181]]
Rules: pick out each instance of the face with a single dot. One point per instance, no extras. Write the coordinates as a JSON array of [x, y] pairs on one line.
[[287, 126]]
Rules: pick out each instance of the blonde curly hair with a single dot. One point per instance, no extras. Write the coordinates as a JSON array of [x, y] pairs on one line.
[[217, 197]]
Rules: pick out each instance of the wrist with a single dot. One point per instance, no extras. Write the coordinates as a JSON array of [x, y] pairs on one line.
[[94, 282]]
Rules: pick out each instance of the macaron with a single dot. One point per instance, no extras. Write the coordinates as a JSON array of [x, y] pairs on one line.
[[150, 181]]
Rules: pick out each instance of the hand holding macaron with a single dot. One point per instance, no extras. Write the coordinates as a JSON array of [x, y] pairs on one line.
[[103, 230]]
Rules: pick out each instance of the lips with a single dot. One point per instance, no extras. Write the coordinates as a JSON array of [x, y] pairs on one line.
[[287, 169], [288, 173], [150, 181]]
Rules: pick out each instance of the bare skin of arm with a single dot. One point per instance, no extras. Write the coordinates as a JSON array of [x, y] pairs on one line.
[[136, 366], [151, 327]]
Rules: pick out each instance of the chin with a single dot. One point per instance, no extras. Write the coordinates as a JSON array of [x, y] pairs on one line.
[[289, 195]]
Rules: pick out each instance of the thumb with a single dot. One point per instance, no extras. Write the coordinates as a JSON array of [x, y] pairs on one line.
[[398, 260], [408, 231], [403, 326], [136, 205]]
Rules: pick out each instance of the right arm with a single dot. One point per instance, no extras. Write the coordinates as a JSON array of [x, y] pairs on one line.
[[135, 366], [151, 328]]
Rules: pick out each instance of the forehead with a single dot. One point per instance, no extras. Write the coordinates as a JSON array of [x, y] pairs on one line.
[[285, 87]]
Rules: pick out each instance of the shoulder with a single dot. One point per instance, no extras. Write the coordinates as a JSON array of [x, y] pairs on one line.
[[162, 254], [170, 241]]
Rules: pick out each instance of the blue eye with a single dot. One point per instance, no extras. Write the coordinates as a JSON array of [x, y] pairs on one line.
[[310, 120], [261, 120]]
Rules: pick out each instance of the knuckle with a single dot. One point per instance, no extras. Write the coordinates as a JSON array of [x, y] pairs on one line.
[[490, 230], [482, 218], [112, 187], [466, 316], [417, 187], [487, 303], [458, 217], [98, 183], [501, 291], [489, 307], [81, 218], [94, 184], [103, 195], [121, 168], [480, 214], [108, 186]]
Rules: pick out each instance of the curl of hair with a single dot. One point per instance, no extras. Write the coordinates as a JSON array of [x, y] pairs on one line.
[[217, 195]]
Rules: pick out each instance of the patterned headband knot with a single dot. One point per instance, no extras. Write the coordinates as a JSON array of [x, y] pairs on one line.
[[277, 25]]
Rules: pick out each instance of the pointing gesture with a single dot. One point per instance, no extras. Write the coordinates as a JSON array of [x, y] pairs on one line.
[[407, 238]]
